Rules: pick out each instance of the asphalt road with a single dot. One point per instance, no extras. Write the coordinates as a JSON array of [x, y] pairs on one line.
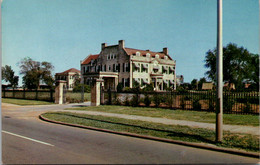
[[28, 140]]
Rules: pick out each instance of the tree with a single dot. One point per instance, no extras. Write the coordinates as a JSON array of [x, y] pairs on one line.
[[201, 81], [8, 76], [194, 84], [35, 72], [239, 65]]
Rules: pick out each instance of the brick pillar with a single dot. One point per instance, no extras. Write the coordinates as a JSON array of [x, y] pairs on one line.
[[59, 92], [95, 92]]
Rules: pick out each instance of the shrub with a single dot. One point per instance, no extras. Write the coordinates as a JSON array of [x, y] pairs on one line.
[[134, 101], [126, 102], [157, 99], [147, 100], [182, 103], [127, 89], [148, 88], [228, 102], [247, 107], [117, 101], [78, 88], [196, 104], [119, 87]]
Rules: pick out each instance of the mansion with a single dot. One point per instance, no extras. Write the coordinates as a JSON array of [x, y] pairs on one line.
[[69, 76], [117, 64]]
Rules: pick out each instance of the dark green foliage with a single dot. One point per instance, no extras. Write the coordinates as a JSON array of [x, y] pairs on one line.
[[181, 90], [248, 99], [194, 84], [34, 72], [8, 76], [239, 65], [157, 99], [228, 102], [78, 88], [135, 101], [182, 102], [247, 108], [196, 104], [126, 102], [148, 88], [117, 101], [119, 87], [147, 100]]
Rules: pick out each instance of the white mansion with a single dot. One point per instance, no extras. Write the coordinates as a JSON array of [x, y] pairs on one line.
[[118, 64]]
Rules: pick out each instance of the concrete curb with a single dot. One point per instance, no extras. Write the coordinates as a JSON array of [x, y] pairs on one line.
[[196, 145]]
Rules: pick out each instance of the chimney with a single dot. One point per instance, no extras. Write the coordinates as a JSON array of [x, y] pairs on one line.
[[121, 43], [165, 51], [103, 45]]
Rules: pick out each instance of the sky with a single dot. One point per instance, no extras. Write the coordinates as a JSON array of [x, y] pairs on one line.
[[64, 32]]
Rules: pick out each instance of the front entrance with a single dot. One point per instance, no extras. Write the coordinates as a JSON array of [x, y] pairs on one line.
[[109, 83]]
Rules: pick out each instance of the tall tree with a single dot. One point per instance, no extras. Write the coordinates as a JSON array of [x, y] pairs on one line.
[[239, 65], [8, 76], [201, 81], [35, 72], [194, 84]]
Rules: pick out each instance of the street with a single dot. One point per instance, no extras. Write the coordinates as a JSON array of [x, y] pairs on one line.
[[28, 140]]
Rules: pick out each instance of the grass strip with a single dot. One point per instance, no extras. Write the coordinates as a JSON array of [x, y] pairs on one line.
[[25, 102], [183, 133], [206, 117]]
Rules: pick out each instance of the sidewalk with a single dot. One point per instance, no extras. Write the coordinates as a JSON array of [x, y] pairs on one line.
[[232, 128]]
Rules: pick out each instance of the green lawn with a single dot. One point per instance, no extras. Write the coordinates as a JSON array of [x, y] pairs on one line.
[[25, 102], [207, 117], [175, 132]]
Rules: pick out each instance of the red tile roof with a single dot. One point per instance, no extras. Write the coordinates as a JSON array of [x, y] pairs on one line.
[[89, 58], [70, 70], [131, 51]]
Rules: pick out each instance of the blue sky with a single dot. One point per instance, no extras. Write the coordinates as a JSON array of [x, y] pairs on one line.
[[64, 32]]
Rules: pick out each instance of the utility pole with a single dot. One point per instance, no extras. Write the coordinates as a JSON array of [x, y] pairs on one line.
[[219, 108]]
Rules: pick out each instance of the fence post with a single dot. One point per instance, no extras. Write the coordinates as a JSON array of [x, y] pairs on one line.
[[36, 94], [23, 93], [51, 94]]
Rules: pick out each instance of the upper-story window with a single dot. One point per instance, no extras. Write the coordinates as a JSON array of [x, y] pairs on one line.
[[166, 57], [144, 68], [157, 56], [148, 55], [127, 67], [171, 69], [136, 67], [165, 69], [138, 53]]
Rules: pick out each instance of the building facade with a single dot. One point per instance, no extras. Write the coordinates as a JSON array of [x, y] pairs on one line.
[[69, 76], [117, 64]]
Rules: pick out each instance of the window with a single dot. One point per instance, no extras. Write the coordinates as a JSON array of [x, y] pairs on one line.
[[114, 67], [136, 67], [123, 67], [138, 53], [109, 68], [144, 68], [123, 82], [127, 67], [118, 67]]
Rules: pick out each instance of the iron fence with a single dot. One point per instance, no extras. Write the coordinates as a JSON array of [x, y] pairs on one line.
[[233, 102]]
